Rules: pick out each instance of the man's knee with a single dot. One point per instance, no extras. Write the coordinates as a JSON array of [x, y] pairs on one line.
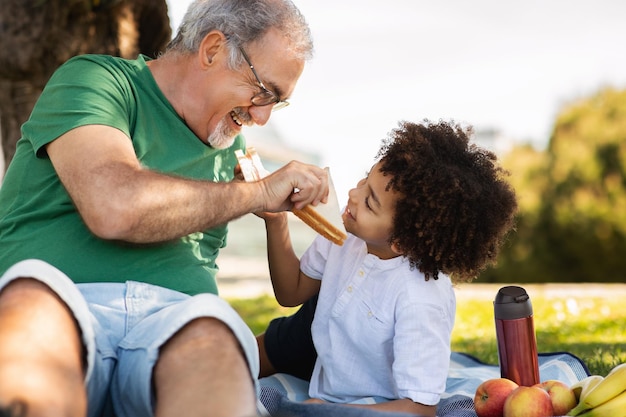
[[41, 353], [31, 308], [204, 343], [26, 288], [201, 339], [202, 331], [38, 303]]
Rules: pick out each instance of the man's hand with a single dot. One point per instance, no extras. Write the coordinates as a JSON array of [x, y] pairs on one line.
[[295, 185]]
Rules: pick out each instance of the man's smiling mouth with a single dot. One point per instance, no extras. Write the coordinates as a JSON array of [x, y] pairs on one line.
[[236, 118]]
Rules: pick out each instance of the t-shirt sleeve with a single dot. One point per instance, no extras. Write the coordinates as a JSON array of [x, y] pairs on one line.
[[313, 261], [81, 92]]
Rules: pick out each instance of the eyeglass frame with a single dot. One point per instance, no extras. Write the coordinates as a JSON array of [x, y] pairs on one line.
[[275, 100]]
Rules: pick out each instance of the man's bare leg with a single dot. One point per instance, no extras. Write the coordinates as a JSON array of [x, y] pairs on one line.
[[40, 352], [202, 371]]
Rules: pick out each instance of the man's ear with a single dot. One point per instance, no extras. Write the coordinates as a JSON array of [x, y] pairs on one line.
[[396, 249], [210, 47]]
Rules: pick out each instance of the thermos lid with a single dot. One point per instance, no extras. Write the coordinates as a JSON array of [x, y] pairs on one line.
[[512, 303]]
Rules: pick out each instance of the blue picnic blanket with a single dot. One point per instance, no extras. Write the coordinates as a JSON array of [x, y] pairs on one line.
[[282, 395]]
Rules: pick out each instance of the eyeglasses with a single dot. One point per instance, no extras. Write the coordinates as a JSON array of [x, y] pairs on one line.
[[265, 97]]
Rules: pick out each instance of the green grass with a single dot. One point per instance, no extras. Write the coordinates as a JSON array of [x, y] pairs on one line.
[[592, 328]]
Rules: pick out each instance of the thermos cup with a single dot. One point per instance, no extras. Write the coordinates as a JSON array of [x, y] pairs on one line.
[[515, 333]]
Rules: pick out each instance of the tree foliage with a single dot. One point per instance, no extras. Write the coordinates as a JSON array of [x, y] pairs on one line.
[[572, 220]]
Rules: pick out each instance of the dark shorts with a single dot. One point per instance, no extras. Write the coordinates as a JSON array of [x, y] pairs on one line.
[[288, 342]]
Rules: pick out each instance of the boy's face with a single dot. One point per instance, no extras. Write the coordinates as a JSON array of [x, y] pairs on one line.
[[369, 213]]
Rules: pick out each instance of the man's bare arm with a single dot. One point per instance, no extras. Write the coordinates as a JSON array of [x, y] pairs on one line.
[[119, 199]]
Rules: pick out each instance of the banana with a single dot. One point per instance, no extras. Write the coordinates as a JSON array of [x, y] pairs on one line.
[[615, 407], [582, 387], [606, 389]]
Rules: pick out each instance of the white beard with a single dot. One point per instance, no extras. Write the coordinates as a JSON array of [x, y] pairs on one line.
[[222, 137]]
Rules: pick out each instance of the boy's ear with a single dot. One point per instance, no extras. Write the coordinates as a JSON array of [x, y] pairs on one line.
[[396, 249]]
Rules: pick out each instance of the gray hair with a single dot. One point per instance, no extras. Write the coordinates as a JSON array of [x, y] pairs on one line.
[[242, 22]]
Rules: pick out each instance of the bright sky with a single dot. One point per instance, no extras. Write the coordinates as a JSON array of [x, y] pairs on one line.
[[509, 66]]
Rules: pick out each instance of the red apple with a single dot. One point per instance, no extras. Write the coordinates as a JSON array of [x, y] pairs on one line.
[[490, 396], [562, 397], [528, 402]]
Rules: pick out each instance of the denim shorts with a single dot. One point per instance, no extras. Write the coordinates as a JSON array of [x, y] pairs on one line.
[[123, 326]]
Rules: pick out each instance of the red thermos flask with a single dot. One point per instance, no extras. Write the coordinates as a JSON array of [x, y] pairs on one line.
[[515, 333]]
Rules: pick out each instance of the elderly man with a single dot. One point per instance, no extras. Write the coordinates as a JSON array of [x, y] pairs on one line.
[[121, 189]]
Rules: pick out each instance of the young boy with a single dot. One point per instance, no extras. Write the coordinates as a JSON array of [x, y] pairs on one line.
[[432, 211]]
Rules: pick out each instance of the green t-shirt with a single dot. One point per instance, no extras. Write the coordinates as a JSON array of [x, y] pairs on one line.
[[37, 216]]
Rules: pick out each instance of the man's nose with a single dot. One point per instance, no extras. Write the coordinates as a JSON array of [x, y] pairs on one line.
[[260, 114]]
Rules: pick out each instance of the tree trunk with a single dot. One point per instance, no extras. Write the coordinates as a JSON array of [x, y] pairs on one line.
[[36, 36]]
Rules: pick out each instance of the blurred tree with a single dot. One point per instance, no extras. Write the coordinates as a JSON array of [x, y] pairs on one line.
[[521, 254], [572, 222], [36, 36]]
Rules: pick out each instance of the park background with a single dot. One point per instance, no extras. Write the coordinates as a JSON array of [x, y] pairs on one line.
[[544, 84]]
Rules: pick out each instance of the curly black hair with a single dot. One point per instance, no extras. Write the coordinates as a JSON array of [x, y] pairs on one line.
[[455, 207]]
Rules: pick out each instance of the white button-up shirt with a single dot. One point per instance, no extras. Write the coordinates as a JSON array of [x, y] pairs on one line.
[[380, 329]]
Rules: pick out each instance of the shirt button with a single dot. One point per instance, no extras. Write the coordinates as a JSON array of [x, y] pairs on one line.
[[369, 314], [350, 288], [361, 273]]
